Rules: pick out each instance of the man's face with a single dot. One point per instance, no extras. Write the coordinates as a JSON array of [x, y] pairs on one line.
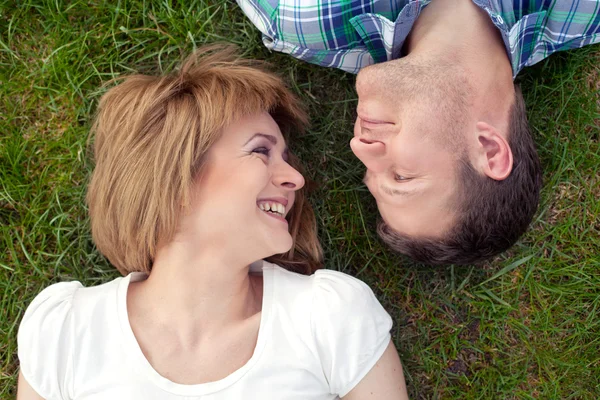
[[408, 135]]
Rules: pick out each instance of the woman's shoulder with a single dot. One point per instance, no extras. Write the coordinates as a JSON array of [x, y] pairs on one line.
[[48, 336], [48, 311], [57, 304], [340, 284], [52, 297], [339, 297], [60, 299], [60, 307], [351, 329], [340, 318], [329, 290]]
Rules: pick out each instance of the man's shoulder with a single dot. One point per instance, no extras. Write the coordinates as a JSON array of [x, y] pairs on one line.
[[534, 31], [339, 34]]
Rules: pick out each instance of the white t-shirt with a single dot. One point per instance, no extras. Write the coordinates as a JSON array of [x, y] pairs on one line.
[[319, 335]]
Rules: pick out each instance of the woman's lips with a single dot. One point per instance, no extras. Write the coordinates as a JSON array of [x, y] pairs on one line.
[[277, 217]]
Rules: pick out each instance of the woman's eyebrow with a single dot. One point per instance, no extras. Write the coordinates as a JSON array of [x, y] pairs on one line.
[[270, 138]]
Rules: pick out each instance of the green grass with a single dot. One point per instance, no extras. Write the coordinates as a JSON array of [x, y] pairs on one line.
[[525, 325]]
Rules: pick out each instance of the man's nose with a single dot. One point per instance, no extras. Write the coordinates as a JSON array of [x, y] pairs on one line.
[[371, 153]]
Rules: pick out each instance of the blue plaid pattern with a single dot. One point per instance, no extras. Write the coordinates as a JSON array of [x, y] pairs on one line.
[[351, 34]]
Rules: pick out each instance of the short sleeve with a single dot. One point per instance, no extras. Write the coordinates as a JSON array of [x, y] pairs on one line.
[[45, 342], [350, 327]]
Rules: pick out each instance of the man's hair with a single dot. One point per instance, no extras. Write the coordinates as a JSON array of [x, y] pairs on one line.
[[492, 215], [151, 135]]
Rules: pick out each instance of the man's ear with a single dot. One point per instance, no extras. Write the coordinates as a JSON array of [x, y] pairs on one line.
[[494, 156]]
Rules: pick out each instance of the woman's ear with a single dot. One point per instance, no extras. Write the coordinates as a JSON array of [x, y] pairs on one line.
[[494, 156]]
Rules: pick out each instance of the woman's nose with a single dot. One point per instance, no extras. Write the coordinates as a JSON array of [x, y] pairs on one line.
[[288, 177], [371, 153]]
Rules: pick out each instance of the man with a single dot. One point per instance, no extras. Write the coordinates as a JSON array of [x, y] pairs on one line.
[[441, 127]]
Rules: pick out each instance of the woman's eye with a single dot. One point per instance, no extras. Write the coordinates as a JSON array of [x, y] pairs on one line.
[[261, 150], [400, 178]]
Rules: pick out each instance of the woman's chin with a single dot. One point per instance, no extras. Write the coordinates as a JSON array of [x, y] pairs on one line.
[[281, 247]]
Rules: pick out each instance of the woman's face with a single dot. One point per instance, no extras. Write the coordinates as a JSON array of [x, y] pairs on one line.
[[245, 190]]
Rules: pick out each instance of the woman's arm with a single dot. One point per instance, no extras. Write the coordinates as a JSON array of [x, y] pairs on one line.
[[25, 391], [385, 381]]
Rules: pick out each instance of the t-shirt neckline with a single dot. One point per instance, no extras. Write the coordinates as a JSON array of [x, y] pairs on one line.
[[143, 365]]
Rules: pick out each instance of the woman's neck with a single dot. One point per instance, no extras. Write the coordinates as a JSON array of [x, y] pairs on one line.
[[197, 292]]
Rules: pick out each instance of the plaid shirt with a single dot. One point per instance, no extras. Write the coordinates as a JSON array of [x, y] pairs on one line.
[[351, 34]]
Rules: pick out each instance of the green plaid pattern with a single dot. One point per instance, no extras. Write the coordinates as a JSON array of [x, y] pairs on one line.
[[351, 34]]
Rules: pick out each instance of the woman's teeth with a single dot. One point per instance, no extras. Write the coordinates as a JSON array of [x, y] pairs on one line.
[[275, 208]]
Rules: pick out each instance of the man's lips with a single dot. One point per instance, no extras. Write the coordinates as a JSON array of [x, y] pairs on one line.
[[372, 130], [372, 121], [369, 136]]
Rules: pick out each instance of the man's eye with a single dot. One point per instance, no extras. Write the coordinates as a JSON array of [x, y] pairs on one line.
[[261, 150], [400, 178]]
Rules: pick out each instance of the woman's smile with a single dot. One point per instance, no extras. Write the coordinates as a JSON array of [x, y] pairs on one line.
[[275, 208]]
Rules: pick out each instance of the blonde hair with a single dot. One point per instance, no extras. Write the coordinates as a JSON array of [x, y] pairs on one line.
[[151, 135]]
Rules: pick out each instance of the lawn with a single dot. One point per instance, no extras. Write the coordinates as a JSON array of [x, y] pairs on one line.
[[524, 325]]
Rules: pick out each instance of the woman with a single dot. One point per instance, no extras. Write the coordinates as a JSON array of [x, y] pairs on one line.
[[193, 184]]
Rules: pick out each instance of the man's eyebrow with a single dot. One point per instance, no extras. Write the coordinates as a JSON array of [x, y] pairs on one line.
[[270, 138], [396, 192]]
